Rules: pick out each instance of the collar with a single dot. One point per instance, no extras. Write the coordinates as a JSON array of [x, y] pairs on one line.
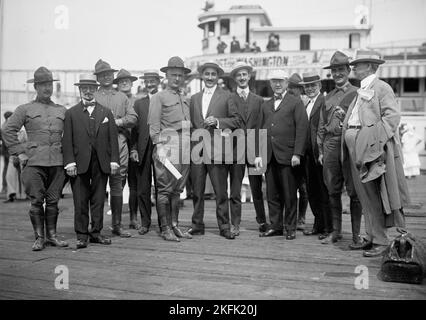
[[210, 90], [44, 101], [87, 103], [368, 80], [314, 99], [282, 94], [345, 87], [246, 90], [178, 92]]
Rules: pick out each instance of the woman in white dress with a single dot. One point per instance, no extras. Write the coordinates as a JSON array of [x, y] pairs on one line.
[[410, 141]]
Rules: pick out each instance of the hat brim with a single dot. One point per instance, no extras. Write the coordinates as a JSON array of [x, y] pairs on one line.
[[309, 82], [201, 68], [32, 81], [107, 70], [151, 76], [78, 84], [132, 78], [234, 71], [185, 70], [376, 61], [336, 65], [295, 84]]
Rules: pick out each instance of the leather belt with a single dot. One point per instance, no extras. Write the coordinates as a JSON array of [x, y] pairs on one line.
[[354, 127]]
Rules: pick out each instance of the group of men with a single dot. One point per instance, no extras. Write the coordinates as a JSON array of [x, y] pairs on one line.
[[346, 138]]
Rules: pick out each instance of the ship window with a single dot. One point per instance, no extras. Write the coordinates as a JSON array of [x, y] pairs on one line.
[[354, 41], [305, 40], [224, 27], [211, 28], [411, 85]]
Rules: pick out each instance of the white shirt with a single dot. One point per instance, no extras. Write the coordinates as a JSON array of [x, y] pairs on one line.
[[241, 90], [207, 97], [278, 102], [354, 117], [310, 105]]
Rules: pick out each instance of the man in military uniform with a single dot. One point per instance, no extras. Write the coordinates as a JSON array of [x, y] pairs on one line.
[[125, 118], [329, 145], [169, 128], [40, 157]]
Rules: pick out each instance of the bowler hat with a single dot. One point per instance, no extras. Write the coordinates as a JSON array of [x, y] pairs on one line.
[[278, 75], [239, 66], [295, 80], [338, 59], [310, 77], [367, 56], [41, 75], [175, 62], [87, 79], [102, 66], [150, 74], [124, 74], [210, 64]]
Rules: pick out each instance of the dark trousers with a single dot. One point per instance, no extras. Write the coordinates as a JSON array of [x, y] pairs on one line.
[[317, 195], [140, 178], [302, 202], [281, 189], [89, 190]]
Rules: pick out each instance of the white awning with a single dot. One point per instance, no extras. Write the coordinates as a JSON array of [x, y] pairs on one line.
[[211, 19], [402, 70]]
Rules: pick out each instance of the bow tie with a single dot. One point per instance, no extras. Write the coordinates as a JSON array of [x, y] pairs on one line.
[[278, 96], [88, 104]]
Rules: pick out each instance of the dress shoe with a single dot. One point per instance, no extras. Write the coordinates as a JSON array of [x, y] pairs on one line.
[[361, 244], [263, 227], [376, 251], [100, 239], [227, 234], [332, 238], [291, 235], [143, 230], [55, 242], [134, 225], [168, 235], [195, 232], [235, 230], [272, 233], [310, 232], [180, 234], [300, 226], [38, 244], [81, 244], [119, 231], [323, 235]]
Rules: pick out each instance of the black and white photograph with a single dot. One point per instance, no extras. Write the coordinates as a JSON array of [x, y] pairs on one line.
[[213, 157]]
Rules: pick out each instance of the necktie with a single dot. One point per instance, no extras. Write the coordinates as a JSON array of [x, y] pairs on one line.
[[243, 95], [278, 96]]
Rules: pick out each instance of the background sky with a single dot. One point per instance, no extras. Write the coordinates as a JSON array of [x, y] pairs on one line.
[[140, 34]]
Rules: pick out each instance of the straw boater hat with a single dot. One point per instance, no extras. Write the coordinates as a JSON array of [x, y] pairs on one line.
[[175, 62], [295, 81], [310, 77], [210, 64], [102, 66], [239, 66], [124, 74], [41, 75], [278, 75], [87, 79], [338, 59], [150, 74], [367, 56]]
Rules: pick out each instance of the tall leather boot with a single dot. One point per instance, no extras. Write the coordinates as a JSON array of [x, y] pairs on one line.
[[133, 210], [116, 211], [51, 220], [336, 210], [174, 208], [37, 220], [356, 216], [163, 210]]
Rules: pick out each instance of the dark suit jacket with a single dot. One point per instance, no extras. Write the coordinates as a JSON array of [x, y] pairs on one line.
[[140, 138], [287, 128], [313, 126], [221, 107], [76, 140]]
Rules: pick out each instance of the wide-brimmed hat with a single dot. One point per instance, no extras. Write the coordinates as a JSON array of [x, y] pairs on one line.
[[102, 66], [41, 75], [295, 81], [239, 66], [150, 74], [310, 77], [278, 75], [338, 59], [210, 64], [367, 56], [124, 74], [87, 79], [175, 62]]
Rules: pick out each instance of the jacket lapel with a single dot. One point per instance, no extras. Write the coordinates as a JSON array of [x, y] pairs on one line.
[[283, 101], [99, 117], [316, 106], [215, 98], [83, 117]]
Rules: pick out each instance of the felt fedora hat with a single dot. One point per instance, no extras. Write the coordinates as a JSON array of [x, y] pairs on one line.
[[102, 66], [124, 74], [278, 75], [295, 81], [338, 59], [87, 79], [41, 75], [150, 74], [239, 66], [210, 64], [310, 77], [367, 56], [175, 62]]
